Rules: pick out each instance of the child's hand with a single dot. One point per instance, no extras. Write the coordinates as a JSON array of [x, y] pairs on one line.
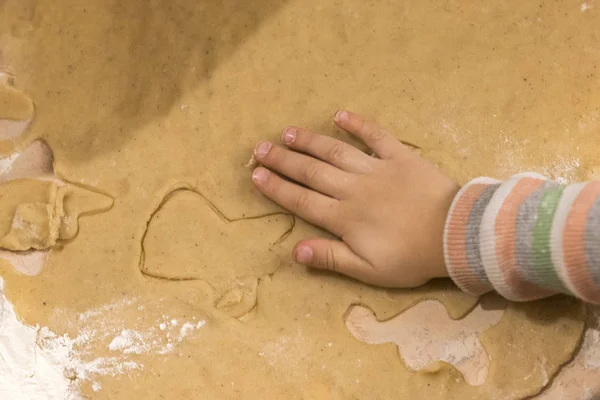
[[389, 212]]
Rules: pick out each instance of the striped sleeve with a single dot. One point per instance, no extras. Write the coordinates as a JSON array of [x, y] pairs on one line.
[[526, 238]]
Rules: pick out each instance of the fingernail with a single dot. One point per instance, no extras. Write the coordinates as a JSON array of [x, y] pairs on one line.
[[262, 149], [260, 175], [303, 254], [288, 136], [341, 116]]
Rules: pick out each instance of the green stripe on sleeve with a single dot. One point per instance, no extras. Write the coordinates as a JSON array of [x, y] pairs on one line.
[[544, 272]]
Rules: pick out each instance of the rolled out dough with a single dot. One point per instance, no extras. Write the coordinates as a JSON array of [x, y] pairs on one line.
[[14, 104], [134, 95], [186, 221]]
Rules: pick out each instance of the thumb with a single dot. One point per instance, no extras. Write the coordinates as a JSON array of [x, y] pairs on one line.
[[333, 255]]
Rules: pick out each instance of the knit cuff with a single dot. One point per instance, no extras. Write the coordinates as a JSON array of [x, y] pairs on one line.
[[461, 236]]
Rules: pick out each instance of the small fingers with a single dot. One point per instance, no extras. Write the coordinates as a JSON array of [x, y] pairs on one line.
[[333, 255], [381, 142], [309, 205], [304, 169], [328, 149]]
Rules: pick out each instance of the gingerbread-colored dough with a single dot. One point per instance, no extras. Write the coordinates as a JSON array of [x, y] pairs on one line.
[[14, 104], [134, 96], [186, 221], [39, 215]]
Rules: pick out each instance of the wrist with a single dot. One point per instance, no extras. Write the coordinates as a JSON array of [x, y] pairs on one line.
[[446, 198]]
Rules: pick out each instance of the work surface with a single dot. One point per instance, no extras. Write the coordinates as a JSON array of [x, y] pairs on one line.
[[165, 275]]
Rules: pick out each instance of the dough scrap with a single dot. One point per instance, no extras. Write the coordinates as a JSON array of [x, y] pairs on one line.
[[36, 215]]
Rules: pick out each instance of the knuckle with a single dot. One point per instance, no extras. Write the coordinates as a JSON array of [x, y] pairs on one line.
[[359, 123], [301, 202], [330, 261], [376, 134], [337, 152], [310, 172]]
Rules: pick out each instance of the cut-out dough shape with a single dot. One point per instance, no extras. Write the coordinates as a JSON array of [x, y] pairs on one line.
[[39, 214], [425, 335], [189, 239]]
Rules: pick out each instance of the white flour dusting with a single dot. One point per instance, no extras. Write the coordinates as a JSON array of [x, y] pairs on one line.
[[455, 351], [580, 379], [185, 330], [105, 309], [32, 360], [6, 163], [153, 340], [37, 364], [129, 342], [513, 159], [590, 349], [561, 170]]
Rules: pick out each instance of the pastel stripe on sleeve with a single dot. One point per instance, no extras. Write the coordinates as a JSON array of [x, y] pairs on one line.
[[542, 270], [526, 221], [592, 241], [461, 233], [565, 204], [487, 236], [577, 270], [498, 243], [526, 237]]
